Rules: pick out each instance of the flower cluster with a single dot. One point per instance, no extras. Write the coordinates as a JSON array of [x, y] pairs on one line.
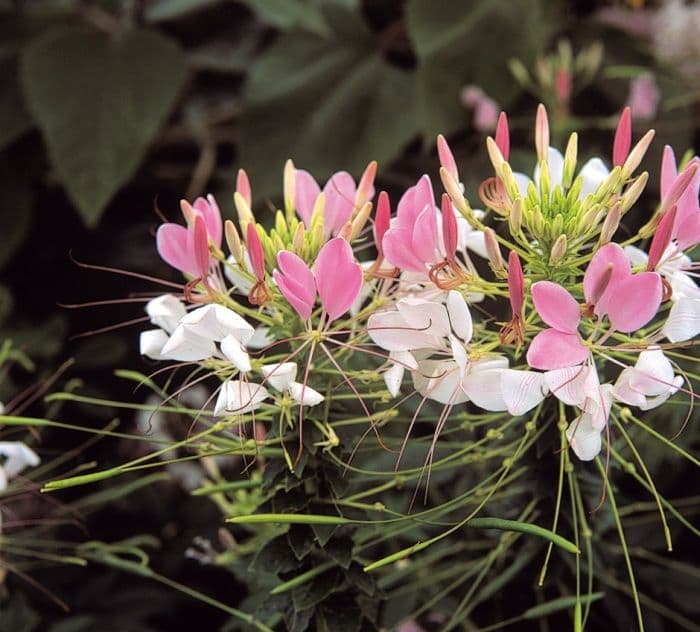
[[281, 320]]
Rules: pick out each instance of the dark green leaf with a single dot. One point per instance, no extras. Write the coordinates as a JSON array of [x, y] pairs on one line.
[[361, 580], [301, 540], [469, 43], [329, 104], [339, 549], [99, 105], [298, 620], [275, 557], [311, 593], [162, 10], [15, 211]]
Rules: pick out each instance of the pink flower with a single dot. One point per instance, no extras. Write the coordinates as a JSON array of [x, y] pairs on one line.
[[182, 247], [644, 97], [629, 300], [486, 110], [341, 194], [337, 277], [686, 229]]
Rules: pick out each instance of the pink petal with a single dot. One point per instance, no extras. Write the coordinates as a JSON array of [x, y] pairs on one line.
[[295, 269], [447, 160], [398, 250], [365, 187], [201, 247], [623, 138], [291, 291], [340, 200], [608, 267], [173, 248], [209, 211], [307, 191], [382, 219], [556, 306], [338, 277], [243, 186], [552, 349], [516, 291], [413, 201], [424, 241], [661, 238], [636, 301], [688, 232]]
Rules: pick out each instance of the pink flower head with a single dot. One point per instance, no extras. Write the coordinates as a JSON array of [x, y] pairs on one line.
[[629, 300], [485, 108], [412, 242], [686, 229], [562, 85], [644, 97], [341, 194], [337, 277], [177, 245]]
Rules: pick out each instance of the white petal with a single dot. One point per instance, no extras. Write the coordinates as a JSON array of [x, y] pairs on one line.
[[425, 316], [460, 318], [3, 486], [186, 346], [484, 389], [390, 331], [555, 162], [236, 397], [19, 456], [393, 377], [165, 312], [235, 353], [439, 380], [585, 440], [241, 281], [652, 374], [305, 395], [598, 405], [151, 343], [459, 353], [568, 384], [522, 390], [594, 173], [404, 358], [623, 391], [215, 322], [470, 238], [653, 402], [636, 256], [682, 284], [683, 322], [523, 182], [280, 376]]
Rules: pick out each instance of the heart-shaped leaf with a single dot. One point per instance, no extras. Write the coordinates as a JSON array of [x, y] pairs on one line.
[[99, 101]]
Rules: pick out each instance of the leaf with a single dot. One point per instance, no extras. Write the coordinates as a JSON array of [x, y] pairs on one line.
[[274, 558], [99, 105], [16, 209], [301, 540], [469, 43], [163, 10], [14, 119], [288, 14], [329, 104], [339, 549], [314, 592]]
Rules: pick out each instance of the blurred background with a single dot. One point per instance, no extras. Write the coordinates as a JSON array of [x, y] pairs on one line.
[[112, 111]]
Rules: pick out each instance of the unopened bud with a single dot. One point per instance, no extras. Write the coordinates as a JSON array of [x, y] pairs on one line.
[[610, 224], [519, 71], [455, 192], [289, 186], [632, 193], [570, 157], [365, 187], [318, 215], [188, 213], [493, 250], [447, 159], [245, 215], [623, 138], [358, 224], [298, 239], [556, 255], [544, 182], [637, 154], [515, 219], [557, 224], [243, 186], [542, 133], [503, 135], [537, 222], [679, 187], [495, 155], [233, 241], [281, 226]]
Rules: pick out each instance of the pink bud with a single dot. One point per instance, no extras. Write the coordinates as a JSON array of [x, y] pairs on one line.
[[503, 135], [447, 159], [449, 227], [255, 252], [516, 283], [542, 133], [662, 238], [243, 186], [201, 247], [365, 188], [623, 138], [382, 221]]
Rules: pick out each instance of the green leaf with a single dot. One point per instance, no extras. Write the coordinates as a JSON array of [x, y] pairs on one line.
[[328, 104], [162, 10], [99, 101], [469, 43], [288, 14], [14, 119]]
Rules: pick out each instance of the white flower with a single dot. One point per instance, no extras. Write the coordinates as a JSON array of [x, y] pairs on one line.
[[18, 456], [649, 383], [237, 397], [282, 377], [165, 312]]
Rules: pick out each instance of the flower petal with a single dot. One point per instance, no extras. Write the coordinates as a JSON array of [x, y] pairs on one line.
[[307, 190], [552, 349], [636, 301], [484, 389], [338, 277], [215, 322], [460, 318], [568, 384], [608, 267], [304, 394], [340, 201], [594, 173], [522, 390], [236, 397], [556, 306], [151, 343], [186, 346], [175, 248], [235, 352], [683, 322], [393, 377], [440, 381], [165, 312], [584, 439], [390, 331], [280, 376]]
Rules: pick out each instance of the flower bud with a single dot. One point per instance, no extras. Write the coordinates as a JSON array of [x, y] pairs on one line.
[[632, 193], [358, 224], [495, 155], [289, 186], [503, 135], [454, 191], [298, 239], [515, 219], [243, 186], [365, 187], [519, 71], [447, 159], [570, 156], [541, 133], [245, 215], [281, 226], [558, 251], [318, 215], [623, 138], [537, 222], [637, 154], [233, 240], [493, 250], [610, 224]]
